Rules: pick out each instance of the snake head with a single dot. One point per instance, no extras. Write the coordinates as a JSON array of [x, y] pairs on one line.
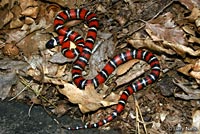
[[52, 43]]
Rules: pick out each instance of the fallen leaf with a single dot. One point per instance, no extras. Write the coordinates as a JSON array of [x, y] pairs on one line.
[[149, 44], [194, 39], [10, 50], [16, 23], [196, 66], [190, 4], [192, 70], [126, 66], [132, 74], [164, 29], [196, 121], [188, 30], [194, 15], [8, 76], [191, 94], [24, 4], [185, 69], [68, 3], [60, 110], [163, 115], [88, 99], [181, 49], [6, 82], [195, 73], [31, 12], [6, 16]]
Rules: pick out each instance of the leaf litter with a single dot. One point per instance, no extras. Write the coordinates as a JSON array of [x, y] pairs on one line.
[[170, 29]]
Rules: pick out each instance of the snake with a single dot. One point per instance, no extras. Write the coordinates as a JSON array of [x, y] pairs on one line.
[[82, 54]]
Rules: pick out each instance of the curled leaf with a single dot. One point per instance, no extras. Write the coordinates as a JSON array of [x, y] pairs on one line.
[[88, 99]]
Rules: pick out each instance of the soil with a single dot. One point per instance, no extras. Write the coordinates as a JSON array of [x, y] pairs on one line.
[[14, 119]]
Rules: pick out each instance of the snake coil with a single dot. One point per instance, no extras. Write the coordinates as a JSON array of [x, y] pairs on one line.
[[84, 50]]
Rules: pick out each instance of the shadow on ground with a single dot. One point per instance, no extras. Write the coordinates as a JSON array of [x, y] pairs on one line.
[[14, 119]]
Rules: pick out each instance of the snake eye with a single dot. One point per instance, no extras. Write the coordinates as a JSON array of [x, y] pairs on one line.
[[50, 44]]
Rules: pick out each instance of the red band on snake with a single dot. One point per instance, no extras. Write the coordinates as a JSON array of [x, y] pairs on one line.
[[84, 51]]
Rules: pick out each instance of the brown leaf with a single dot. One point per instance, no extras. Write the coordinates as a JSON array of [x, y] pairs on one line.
[[132, 74], [6, 82], [16, 23], [196, 120], [148, 43], [68, 3], [196, 66], [10, 50], [31, 43], [164, 29], [185, 69], [6, 16], [181, 49], [194, 39], [88, 99], [194, 15], [31, 12], [126, 66], [188, 30], [196, 70], [190, 4], [60, 110], [28, 3], [9, 78], [191, 94]]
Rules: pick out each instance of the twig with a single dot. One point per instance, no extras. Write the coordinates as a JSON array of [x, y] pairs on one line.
[[144, 22], [29, 110], [27, 85], [138, 121], [162, 9]]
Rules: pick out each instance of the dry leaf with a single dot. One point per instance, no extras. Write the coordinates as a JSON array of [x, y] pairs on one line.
[[28, 3], [9, 78], [15, 36], [194, 39], [181, 49], [148, 43], [191, 94], [196, 70], [164, 29], [188, 30], [88, 99], [68, 3], [196, 121], [60, 110], [29, 20], [190, 4], [126, 66], [196, 66], [185, 69], [197, 22], [16, 23], [10, 50], [6, 82], [31, 12], [132, 74], [194, 15], [6, 16], [192, 70]]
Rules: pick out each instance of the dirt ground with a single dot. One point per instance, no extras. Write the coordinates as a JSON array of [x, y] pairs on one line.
[[14, 119]]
